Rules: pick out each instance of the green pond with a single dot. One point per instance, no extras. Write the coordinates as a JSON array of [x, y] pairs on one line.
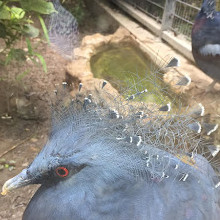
[[124, 65]]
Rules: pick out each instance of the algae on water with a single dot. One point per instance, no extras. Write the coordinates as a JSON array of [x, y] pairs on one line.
[[123, 65]]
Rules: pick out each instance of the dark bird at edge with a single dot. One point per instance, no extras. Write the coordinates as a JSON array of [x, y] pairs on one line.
[[206, 41]]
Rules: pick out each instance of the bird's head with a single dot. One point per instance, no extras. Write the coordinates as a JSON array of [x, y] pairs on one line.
[[113, 140], [82, 137], [208, 8]]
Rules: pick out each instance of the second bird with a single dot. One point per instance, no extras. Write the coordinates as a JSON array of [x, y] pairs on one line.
[[206, 41]]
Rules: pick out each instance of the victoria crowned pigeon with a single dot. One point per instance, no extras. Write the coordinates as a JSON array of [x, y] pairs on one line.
[[206, 41], [121, 158], [112, 157]]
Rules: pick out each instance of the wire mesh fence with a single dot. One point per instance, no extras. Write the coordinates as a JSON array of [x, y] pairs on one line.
[[153, 8], [185, 13], [180, 14]]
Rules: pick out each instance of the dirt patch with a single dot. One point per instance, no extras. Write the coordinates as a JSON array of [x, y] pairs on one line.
[[28, 137], [27, 102]]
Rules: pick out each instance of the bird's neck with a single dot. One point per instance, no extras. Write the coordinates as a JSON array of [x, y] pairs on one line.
[[208, 7]]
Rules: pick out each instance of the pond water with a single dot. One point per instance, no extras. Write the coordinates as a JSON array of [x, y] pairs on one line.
[[124, 65]]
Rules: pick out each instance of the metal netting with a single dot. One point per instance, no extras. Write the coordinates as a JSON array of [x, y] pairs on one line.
[[153, 8], [183, 13]]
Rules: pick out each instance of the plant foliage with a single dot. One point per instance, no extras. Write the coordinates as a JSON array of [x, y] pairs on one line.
[[15, 22]]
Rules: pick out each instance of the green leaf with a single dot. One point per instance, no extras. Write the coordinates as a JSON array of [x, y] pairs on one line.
[[15, 54], [31, 31], [30, 50], [42, 62], [2, 31], [17, 13], [40, 6], [20, 76], [4, 12], [44, 29]]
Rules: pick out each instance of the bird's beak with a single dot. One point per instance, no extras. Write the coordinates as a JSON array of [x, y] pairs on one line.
[[18, 181]]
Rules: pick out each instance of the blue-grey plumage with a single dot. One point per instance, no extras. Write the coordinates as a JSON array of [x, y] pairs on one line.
[[104, 84], [97, 195], [209, 128], [206, 40], [197, 111], [165, 108], [63, 31], [184, 81], [214, 150], [104, 162], [80, 86], [174, 62]]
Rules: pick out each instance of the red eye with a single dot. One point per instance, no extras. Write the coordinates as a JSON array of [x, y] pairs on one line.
[[62, 171]]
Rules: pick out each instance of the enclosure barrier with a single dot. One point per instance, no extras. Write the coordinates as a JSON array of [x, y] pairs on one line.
[[172, 15]]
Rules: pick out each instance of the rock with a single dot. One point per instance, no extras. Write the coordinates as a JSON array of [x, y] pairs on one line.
[[11, 168], [2, 161], [104, 23], [84, 52], [26, 109], [80, 69], [34, 140], [11, 162], [25, 164], [96, 40], [121, 36]]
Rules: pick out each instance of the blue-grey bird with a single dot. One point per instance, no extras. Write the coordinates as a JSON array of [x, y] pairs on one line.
[[121, 159], [206, 41], [63, 31]]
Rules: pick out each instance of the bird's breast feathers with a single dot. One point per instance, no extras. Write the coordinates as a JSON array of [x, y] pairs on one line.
[[210, 49], [198, 25]]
